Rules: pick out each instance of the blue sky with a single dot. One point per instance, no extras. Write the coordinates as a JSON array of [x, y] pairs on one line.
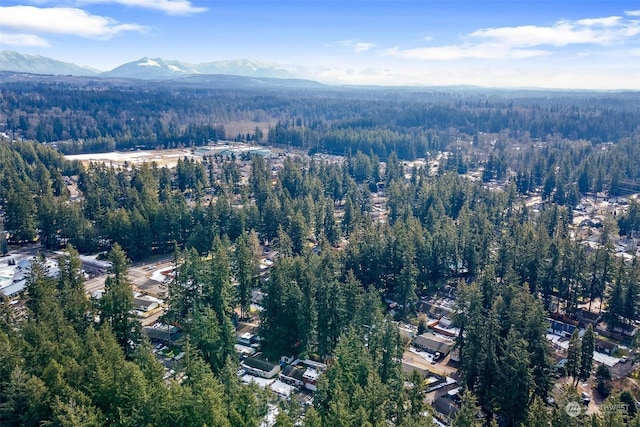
[[516, 43]]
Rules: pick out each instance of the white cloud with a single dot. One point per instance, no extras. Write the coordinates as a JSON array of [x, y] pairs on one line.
[[170, 7], [600, 31], [610, 21], [357, 47], [632, 12], [528, 41], [453, 52], [63, 20], [376, 76], [21, 39], [443, 74]]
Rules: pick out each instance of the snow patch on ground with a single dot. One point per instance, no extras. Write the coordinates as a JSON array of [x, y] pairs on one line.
[[159, 276], [269, 420], [113, 156]]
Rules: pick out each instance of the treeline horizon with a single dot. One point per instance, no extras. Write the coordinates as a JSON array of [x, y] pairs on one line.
[[106, 116]]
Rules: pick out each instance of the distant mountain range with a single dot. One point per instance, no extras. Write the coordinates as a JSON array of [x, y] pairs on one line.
[[158, 68], [146, 68], [36, 64]]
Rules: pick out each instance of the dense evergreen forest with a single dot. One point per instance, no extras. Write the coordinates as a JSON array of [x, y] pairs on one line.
[[100, 115], [73, 361], [322, 303]]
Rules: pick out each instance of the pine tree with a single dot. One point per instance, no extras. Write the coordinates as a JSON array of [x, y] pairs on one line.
[[213, 336], [573, 357], [415, 394], [331, 230], [42, 295], [331, 313], [514, 378], [627, 398], [245, 268], [349, 219], [616, 299], [72, 295], [632, 277], [603, 380], [586, 354], [467, 416], [71, 413], [216, 290], [283, 420], [116, 305], [538, 415], [4, 246], [312, 418], [284, 244], [24, 401], [298, 234], [20, 214], [613, 418]]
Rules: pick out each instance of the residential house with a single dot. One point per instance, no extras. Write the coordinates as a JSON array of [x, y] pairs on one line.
[[433, 344], [144, 304], [445, 407], [162, 332], [435, 309], [310, 378], [586, 317], [246, 339], [445, 327], [606, 347], [293, 375], [409, 368], [260, 368], [626, 329], [560, 328]]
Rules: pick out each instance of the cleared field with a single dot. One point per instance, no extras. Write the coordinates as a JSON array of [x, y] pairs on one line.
[[167, 158], [234, 128]]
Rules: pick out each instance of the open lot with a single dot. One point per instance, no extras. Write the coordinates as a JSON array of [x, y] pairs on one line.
[[167, 158]]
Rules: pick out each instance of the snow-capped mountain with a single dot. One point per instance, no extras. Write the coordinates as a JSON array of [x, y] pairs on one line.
[[245, 67], [151, 68], [158, 68], [36, 64]]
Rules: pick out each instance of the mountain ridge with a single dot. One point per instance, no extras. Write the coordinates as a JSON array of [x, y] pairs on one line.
[[11, 60], [159, 68], [147, 68]]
